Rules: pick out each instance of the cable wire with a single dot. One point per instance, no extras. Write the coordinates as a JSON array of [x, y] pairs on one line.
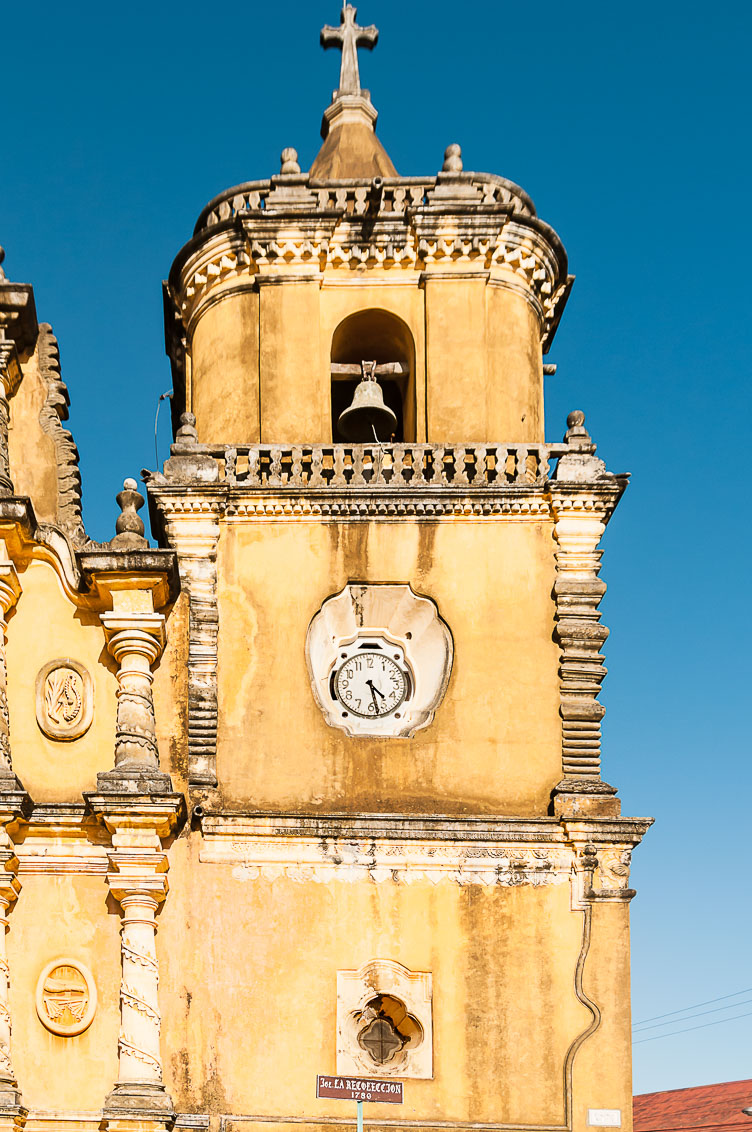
[[700, 1013], [747, 990], [702, 1026]]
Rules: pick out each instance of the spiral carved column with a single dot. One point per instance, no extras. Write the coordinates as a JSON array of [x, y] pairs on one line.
[[135, 641], [138, 1046]]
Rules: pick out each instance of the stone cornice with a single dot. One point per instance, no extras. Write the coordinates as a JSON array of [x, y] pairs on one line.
[[174, 501], [343, 229], [594, 857]]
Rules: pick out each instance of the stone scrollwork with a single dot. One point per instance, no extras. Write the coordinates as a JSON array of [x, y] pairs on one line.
[[66, 997], [64, 699]]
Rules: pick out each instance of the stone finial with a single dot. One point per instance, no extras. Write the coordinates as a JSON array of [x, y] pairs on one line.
[[187, 436], [576, 432], [579, 462], [452, 159], [2, 257], [289, 161], [129, 526]]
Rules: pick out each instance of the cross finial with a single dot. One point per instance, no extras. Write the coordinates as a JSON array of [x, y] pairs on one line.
[[349, 37]]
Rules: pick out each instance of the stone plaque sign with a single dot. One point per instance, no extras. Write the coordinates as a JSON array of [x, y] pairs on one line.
[[66, 997], [64, 699], [604, 1117], [359, 1089]]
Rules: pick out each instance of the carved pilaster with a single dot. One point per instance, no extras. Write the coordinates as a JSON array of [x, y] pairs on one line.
[[18, 332], [11, 1111], [137, 879], [135, 640], [10, 591], [583, 499], [194, 534], [10, 374]]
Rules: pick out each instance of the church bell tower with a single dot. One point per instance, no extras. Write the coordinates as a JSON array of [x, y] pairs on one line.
[[354, 821], [394, 733]]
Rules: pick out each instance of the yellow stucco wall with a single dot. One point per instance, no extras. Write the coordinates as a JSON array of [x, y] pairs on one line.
[[494, 744], [64, 917], [244, 961], [44, 626], [225, 365], [261, 359]]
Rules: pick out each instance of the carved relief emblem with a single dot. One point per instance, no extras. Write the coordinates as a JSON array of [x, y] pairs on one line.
[[66, 997], [64, 700]]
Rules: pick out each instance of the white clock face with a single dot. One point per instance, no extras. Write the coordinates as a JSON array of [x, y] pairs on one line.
[[370, 685]]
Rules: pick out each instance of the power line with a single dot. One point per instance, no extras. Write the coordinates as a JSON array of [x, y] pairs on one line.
[[702, 1026], [700, 1013], [696, 1006]]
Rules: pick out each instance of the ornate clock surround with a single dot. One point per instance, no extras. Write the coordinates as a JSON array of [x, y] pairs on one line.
[[408, 629]]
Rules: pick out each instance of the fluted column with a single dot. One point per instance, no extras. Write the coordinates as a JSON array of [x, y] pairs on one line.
[[136, 641]]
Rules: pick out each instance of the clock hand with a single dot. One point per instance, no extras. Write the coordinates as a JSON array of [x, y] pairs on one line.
[[373, 688]]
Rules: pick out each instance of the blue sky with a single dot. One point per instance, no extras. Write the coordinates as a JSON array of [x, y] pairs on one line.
[[628, 125]]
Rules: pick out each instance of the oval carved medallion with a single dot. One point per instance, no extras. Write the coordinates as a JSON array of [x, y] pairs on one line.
[[64, 700], [66, 997]]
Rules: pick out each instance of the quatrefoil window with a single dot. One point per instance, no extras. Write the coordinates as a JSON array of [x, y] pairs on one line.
[[385, 1029]]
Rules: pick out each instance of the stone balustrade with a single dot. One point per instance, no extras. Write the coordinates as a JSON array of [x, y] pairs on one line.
[[395, 196], [360, 466]]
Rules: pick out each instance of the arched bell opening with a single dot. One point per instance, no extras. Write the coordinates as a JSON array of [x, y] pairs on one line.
[[374, 345]]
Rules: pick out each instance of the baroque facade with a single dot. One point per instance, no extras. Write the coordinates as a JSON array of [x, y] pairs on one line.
[[314, 786]]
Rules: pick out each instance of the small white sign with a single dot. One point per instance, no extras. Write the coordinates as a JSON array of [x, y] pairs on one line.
[[604, 1117]]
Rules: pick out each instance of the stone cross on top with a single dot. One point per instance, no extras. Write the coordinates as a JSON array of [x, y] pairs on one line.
[[349, 37]]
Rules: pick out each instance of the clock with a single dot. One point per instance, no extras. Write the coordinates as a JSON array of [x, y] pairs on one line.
[[379, 658], [370, 682]]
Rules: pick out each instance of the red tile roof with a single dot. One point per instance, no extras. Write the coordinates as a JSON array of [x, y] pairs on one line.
[[713, 1108]]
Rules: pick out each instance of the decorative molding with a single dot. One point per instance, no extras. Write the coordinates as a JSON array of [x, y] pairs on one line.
[[10, 591], [356, 992], [384, 860], [193, 533], [397, 619], [66, 997], [135, 641], [64, 699], [53, 412]]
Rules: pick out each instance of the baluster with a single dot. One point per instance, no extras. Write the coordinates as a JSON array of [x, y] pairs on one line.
[[231, 462], [398, 464], [338, 477], [460, 466], [274, 476], [296, 469], [522, 474], [317, 463], [253, 471], [357, 475], [544, 467]]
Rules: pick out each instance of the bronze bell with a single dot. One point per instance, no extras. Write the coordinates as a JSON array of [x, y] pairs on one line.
[[367, 417]]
